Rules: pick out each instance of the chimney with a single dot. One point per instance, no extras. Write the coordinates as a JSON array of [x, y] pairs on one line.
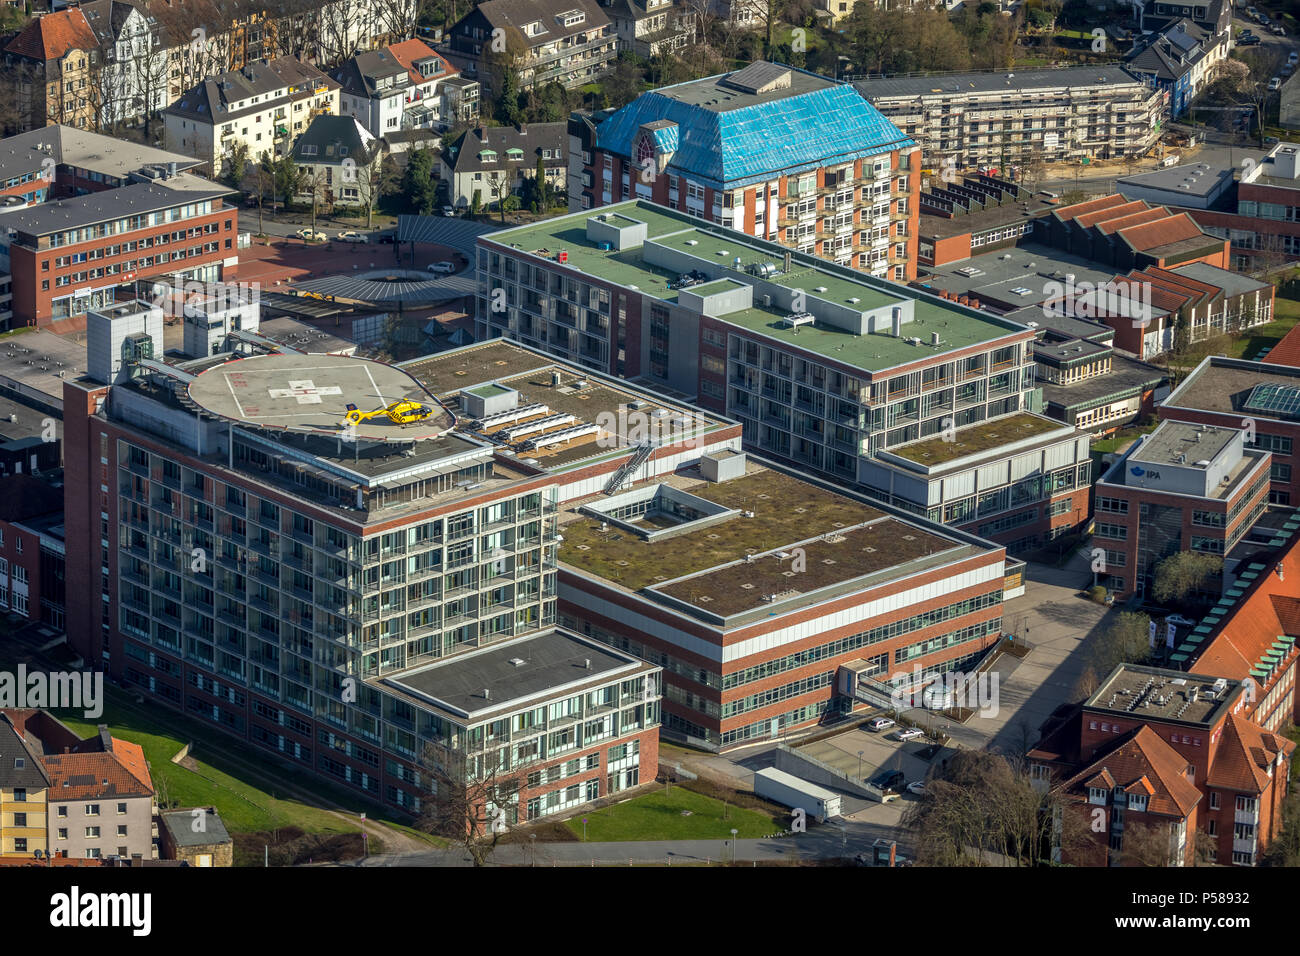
[[963, 300], [974, 303], [586, 663], [487, 695]]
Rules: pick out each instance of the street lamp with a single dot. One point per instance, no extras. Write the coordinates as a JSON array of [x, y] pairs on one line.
[[532, 840], [734, 831], [860, 753]]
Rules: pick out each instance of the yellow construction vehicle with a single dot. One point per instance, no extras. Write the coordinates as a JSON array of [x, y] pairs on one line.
[[402, 412]]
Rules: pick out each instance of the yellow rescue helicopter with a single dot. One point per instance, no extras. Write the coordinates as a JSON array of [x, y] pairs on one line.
[[402, 412]]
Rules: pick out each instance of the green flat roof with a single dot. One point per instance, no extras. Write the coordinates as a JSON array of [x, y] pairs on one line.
[[977, 438], [958, 327]]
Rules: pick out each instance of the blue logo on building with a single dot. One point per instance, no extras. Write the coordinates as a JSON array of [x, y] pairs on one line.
[[1136, 471]]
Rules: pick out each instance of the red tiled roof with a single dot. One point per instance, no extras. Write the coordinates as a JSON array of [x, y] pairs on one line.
[[1150, 214], [1165, 275], [1243, 756], [1161, 233], [1264, 613], [408, 51], [1287, 351], [1142, 762], [1068, 213], [79, 776], [51, 36]]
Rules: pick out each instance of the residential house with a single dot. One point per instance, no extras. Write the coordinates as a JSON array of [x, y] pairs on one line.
[[340, 158], [24, 791], [570, 42], [490, 163], [650, 27], [263, 107], [1181, 59], [49, 67], [133, 81], [399, 87]]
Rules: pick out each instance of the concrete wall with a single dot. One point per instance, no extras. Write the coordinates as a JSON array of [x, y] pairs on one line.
[[813, 770]]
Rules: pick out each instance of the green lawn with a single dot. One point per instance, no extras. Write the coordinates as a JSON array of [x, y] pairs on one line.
[[247, 797], [1121, 437], [1286, 312], [658, 816]]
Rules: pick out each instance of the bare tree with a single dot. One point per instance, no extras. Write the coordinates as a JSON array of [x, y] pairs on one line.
[[501, 184], [982, 807], [472, 799]]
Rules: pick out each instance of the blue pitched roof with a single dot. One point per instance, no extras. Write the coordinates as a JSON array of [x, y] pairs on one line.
[[737, 147]]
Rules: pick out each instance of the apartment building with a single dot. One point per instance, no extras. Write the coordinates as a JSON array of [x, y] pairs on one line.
[[101, 795], [926, 402], [263, 108], [1182, 488], [570, 42], [1263, 399], [1212, 16], [404, 86], [489, 163], [840, 182], [964, 120], [343, 568], [1240, 769], [24, 792], [649, 28], [51, 69], [68, 256], [1181, 60]]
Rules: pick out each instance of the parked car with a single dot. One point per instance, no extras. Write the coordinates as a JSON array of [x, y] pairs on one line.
[[885, 785], [442, 268], [448, 210], [1248, 40], [387, 238], [1252, 12], [878, 724], [917, 787], [350, 236], [1275, 84], [910, 733], [1177, 620], [311, 235], [1292, 58]]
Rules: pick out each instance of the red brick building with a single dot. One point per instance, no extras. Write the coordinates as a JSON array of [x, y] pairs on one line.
[[1240, 769], [1263, 398], [842, 184], [68, 256], [1184, 487], [32, 564]]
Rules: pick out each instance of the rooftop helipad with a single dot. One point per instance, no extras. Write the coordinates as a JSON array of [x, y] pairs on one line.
[[312, 393]]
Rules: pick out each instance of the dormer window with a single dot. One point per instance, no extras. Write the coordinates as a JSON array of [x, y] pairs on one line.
[[534, 28], [1097, 795], [571, 18], [487, 156], [1138, 803], [514, 154], [309, 149]]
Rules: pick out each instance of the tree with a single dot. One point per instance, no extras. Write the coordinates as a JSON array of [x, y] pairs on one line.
[[1147, 844], [1284, 850], [500, 183], [981, 807], [1126, 641], [235, 166], [1181, 576], [472, 799], [286, 178], [539, 189], [419, 189]]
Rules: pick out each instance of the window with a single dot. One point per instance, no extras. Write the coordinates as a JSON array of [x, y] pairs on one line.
[[92, 809], [121, 808], [20, 794], [92, 833]]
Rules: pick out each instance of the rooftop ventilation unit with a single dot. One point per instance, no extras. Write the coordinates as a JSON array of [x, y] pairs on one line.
[[796, 319]]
